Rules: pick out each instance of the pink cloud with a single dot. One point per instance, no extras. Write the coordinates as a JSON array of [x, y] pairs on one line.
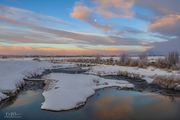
[[165, 21], [114, 8], [84, 13]]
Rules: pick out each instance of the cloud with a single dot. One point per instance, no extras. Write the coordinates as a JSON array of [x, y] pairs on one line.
[[37, 33], [27, 50], [160, 7], [105, 9], [162, 48], [169, 25], [165, 22], [29, 16], [114, 8], [84, 13], [164, 18]]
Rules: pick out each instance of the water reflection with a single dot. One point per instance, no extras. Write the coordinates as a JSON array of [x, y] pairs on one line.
[[112, 108], [106, 104], [143, 107], [25, 98]]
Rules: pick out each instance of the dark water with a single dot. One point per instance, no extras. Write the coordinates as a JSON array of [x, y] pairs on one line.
[[106, 104]]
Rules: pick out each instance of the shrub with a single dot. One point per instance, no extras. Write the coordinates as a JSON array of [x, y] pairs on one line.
[[173, 60], [124, 60], [143, 61]]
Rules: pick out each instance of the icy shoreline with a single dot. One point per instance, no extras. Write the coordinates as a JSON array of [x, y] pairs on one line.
[[72, 90], [147, 74], [13, 73], [68, 91]]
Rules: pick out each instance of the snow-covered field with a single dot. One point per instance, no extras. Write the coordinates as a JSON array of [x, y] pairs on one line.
[[147, 74], [151, 58], [72, 90], [13, 71]]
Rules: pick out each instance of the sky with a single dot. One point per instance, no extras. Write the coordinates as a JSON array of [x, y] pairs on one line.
[[89, 27]]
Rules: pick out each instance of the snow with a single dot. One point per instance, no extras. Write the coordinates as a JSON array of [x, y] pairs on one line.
[[3, 96], [12, 72], [146, 74], [68, 91]]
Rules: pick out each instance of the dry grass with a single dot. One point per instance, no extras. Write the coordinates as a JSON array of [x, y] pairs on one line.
[[170, 82]]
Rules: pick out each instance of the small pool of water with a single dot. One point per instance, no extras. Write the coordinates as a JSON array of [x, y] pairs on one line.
[[106, 104]]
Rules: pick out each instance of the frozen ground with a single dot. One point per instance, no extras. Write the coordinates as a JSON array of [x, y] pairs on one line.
[[147, 74], [3, 96], [12, 73], [72, 90]]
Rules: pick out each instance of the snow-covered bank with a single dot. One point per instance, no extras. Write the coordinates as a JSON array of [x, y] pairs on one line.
[[72, 90], [3, 96], [12, 72], [147, 74]]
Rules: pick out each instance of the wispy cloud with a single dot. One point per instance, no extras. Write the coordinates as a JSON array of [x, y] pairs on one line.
[[28, 50], [114, 8], [169, 25], [117, 23], [84, 13], [105, 9], [29, 16], [56, 36]]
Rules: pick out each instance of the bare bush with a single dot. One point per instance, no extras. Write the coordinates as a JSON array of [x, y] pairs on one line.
[[20, 84], [161, 63], [143, 61], [173, 60], [124, 59], [133, 63], [97, 59], [170, 82]]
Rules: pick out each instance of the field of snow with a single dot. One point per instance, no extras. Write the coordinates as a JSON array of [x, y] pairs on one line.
[[146, 74], [13, 71], [72, 90]]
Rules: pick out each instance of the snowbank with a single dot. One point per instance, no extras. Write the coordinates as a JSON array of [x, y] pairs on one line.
[[3, 96], [146, 74], [12, 72], [72, 90]]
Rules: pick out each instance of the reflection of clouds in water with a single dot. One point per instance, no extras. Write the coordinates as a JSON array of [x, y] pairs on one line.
[[111, 107], [25, 98], [152, 106], [161, 108]]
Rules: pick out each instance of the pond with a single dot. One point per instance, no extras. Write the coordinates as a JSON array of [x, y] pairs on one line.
[[106, 104]]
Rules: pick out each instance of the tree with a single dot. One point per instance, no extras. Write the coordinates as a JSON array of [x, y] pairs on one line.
[[97, 59], [173, 59], [124, 59], [143, 60]]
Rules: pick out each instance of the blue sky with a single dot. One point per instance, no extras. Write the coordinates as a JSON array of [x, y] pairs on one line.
[[87, 27]]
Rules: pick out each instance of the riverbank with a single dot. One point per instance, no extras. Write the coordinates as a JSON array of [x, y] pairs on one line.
[[76, 84], [150, 75]]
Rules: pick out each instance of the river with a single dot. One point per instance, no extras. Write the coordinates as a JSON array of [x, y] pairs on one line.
[[106, 104]]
